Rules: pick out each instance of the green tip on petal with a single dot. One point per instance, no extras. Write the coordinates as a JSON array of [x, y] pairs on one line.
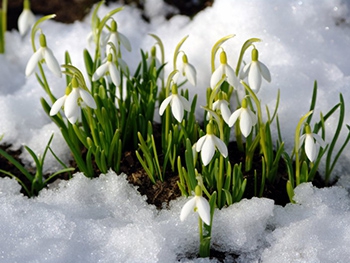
[[42, 40], [110, 57], [255, 54], [113, 26], [153, 51], [244, 103], [174, 89], [184, 59], [210, 128], [307, 129], [74, 82], [198, 190], [222, 95], [26, 5], [68, 90], [223, 57]]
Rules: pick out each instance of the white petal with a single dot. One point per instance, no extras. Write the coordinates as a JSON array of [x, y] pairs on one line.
[[265, 72], [177, 108], [87, 98], [186, 104], [72, 119], [231, 77], [200, 143], [216, 76], [233, 118], [57, 105], [253, 117], [225, 111], [165, 104], [254, 77], [113, 71], [100, 72], [208, 150], [244, 72], [203, 209], [187, 208], [221, 146], [52, 62], [245, 123], [319, 140], [25, 21], [123, 66], [114, 39], [33, 61], [190, 73], [301, 140], [310, 147], [125, 41], [71, 107]]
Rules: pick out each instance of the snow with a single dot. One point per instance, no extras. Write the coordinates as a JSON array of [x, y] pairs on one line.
[[106, 220]]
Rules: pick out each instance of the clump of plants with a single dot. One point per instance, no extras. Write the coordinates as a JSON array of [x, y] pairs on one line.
[[107, 110]]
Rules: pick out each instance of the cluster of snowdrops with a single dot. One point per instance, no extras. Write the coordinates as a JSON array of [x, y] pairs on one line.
[[108, 110]]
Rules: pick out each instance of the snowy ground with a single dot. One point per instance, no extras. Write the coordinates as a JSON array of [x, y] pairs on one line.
[[106, 220]]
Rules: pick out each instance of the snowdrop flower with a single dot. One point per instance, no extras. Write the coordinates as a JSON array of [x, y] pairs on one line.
[[26, 19], [207, 145], [222, 105], [188, 71], [74, 98], [108, 67], [224, 70], [247, 119], [153, 59], [199, 204], [43, 53], [255, 70], [177, 103], [310, 140], [117, 38]]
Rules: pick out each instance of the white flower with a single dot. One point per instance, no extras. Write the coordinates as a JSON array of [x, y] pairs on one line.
[[247, 119], [45, 53], [26, 19], [108, 67], [255, 70], [207, 145], [157, 64], [117, 38], [224, 70], [222, 105], [72, 101], [311, 140], [188, 71], [199, 204], [177, 103]]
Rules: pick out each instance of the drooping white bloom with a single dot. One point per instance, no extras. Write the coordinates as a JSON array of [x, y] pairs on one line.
[[188, 70], [71, 102], [108, 67], [311, 140], [117, 38], [154, 59], [177, 103], [199, 204], [247, 119], [255, 71], [207, 145], [43, 53], [26, 19], [224, 70], [223, 105]]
